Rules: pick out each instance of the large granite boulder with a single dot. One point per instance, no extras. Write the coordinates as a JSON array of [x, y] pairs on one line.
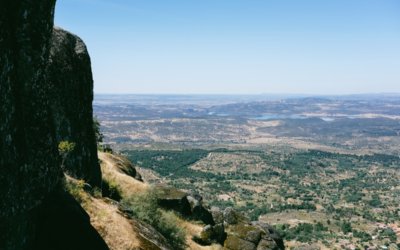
[[232, 217], [28, 148], [233, 242], [251, 236], [272, 233], [122, 165], [236, 232], [172, 199], [212, 234], [71, 95], [198, 211], [29, 112], [217, 214], [190, 206]]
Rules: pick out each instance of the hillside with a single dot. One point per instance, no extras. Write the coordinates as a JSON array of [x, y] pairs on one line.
[[126, 227]]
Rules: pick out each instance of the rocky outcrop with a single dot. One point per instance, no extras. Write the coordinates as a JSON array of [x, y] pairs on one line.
[[198, 211], [116, 182], [273, 234], [34, 95], [63, 224], [235, 232], [212, 234], [28, 156], [71, 92], [228, 227], [173, 199], [150, 237], [28, 149], [121, 165], [190, 206], [249, 237], [232, 217]]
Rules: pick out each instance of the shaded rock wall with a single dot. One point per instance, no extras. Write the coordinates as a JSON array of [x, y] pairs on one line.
[[32, 101], [28, 148], [62, 224], [71, 92]]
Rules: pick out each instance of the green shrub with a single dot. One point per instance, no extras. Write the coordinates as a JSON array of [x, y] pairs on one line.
[[64, 149], [388, 233], [168, 226], [319, 227], [97, 192], [365, 237], [96, 128], [111, 190], [346, 227], [75, 188], [145, 208]]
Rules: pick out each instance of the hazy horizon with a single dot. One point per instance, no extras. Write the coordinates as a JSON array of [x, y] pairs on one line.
[[239, 47]]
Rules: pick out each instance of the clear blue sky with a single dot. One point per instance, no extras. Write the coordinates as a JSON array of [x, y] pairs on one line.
[[239, 46]]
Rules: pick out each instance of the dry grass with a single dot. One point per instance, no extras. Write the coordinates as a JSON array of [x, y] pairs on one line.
[[115, 229], [193, 229], [110, 222], [112, 173], [118, 231]]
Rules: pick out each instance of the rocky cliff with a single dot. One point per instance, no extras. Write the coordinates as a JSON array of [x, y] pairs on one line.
[[71, 92], [29, 156], [28, 148], [44, 75]]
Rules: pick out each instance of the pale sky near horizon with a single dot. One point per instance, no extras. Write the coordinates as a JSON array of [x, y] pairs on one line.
[[238, 46]]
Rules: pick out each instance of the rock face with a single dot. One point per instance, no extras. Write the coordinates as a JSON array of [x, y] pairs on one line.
[[173, 199], [212, 234], [198, 211], [236, 232], [71, 91], [123, 165], [28, 148], [33, 97], [63, 224], [190, 206], [245, 235]]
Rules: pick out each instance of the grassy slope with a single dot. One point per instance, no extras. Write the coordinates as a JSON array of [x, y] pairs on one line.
[[118, 230]]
